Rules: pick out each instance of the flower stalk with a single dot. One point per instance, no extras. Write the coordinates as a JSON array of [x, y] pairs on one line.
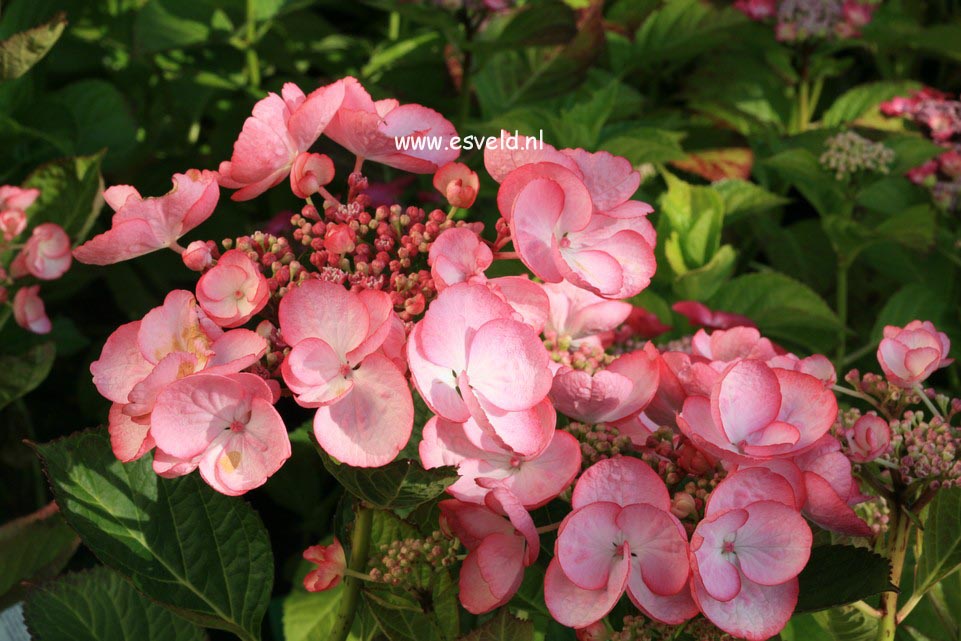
[[359, 545]]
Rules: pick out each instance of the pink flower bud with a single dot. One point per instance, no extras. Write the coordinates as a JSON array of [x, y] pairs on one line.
[[950, 162], [757, 9], [858, 14], [12, 223], [596, 631], [924, 174], [233, 290], [199, 255], [16, 198], [868, 438], [457, 183], [683, 505], [29, 312], [309, 173], [46, 255], [331, 563], [340, 239], [909, 355]]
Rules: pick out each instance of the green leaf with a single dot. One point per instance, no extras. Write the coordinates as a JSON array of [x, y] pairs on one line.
[[679, 31], [99, 605], [429, 613], [696, 214], [702, 282], [801, 168], [862, 99], [941, 546], [848, 624], [23, 50], [401, 485], [20, 374], [170, 24], [913, 301], [70, 194], [911, 151], [102, 116], [35, 547], [503, 627], [537, 24], [841, 574], [804, 627], [202, 554], [783, 308], [646, 145], [743, 198]]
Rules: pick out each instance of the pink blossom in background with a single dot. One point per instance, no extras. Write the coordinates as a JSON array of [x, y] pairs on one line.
[[483, 463], [368, 129], [280, 129], [232, 291], [14, 198], [725, 346], [225, 425], [365, 412], [29, 311], [700, 315], [756, 412], [309, 172], [909, 355], [331, 563], [46, 255], [646, 324], [141, 358], [621, 536], [499, 548], [12, 223], [746, 554], [757, 9], [582, 316], [470, 358], [143, 225], [458, 183]]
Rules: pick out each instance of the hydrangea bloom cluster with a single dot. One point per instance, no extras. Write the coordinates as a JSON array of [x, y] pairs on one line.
[[799, 20], [849, 153], [939, 117], [689, 474], [45, 255]]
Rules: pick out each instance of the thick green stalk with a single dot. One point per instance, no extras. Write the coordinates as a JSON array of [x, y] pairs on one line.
[[359, 544], [842, 310], [897, 544]]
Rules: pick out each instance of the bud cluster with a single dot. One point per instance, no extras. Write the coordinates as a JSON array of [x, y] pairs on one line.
[[640, 628], [581, 356], [598, 442], [398, 559], [848, 153], [926, 450]]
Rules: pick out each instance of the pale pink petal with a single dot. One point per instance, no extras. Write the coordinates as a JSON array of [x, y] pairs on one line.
[[806, 404], [747, 486], [436, 384], [658, 546], [236, 350], [610, 179], [316, 374], [121, 365], [774, 545], [324, 310], [499, 162], [829, 510], [622, 480], [672, 610], [712, 554], [128, 440], [586, 549], [525, 296], [756, 614], [117, 195], [537, 480], [507, 364], [191, 412], [746, 399], [492, 573], [472, 523], [576, 607], [372, 423]]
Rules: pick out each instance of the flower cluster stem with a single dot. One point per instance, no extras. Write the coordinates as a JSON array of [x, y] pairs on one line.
[[900, 529], [359, 545]]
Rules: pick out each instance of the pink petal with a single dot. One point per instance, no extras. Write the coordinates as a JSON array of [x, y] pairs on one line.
[[436, 384], [696, 422], [525, 296], [624, 388], [372, 423], [312, 116], [622, 480], [806, 404], [576, 607], [500, 162], [534, 236], [507, 364], [610, 179], [672, 610], [527, 432], [829, 510], [191, 412], [587, 548], [746, 400], [445, 443], [596, 270], [714, 565], [492, 573], [473, 523], [324, 310], [128, 440], [316, 374], [774, 545], [658, 546], [117, 195], [756, 614], [121, 365], [236, 350], [538, 480], [747, 486]]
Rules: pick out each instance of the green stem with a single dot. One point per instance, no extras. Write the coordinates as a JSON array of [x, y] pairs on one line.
[[359, 544], [804, 116], [393, 26], [897, 550], [927, 401], [842, 309], [253, 63]]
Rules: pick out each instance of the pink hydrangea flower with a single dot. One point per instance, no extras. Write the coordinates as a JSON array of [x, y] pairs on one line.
[[757, 9], [746, 554], [233, 290], [909, 355], [12, 223], [483, 463], [498, 549], [29, 310], [756, 412], [278, 131], [621, 389], [578, 224], [331, 563], [46, 254], [199, 255], [16, 198], [620, 536], [309, 173], [583, 316], [728, 345], [365, 412], [470, 358], [459, 255], [458, 183], [700, 315], [143, 225], [868, 438], [371, 131], [224, 424], [141, 358]]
